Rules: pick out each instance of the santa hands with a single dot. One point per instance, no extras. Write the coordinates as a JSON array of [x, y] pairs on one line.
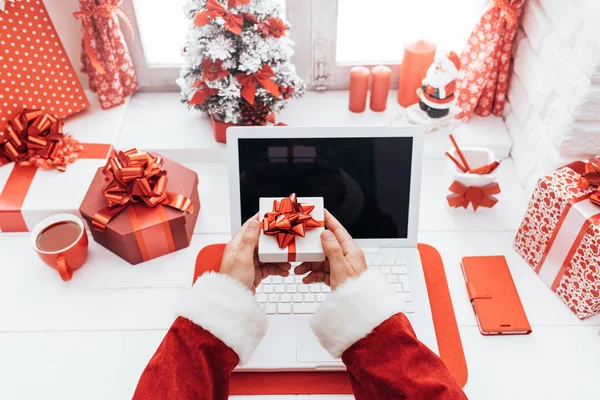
[[240, 258], [344, 258]]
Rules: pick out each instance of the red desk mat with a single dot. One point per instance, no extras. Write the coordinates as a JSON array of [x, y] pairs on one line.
[[444, 321]]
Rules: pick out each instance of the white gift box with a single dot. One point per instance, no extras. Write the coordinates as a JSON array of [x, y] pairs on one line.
[[308, 248]]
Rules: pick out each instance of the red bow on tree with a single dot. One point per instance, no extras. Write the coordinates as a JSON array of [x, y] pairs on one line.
[[135, 177], [462, 195], [591, 177], [288, 220], [233, 22], [235, 3], [203, 93], [262, 77], [34, 138]]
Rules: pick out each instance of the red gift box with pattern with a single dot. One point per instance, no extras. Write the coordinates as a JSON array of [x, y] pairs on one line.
[[35, 72], [560, 236]]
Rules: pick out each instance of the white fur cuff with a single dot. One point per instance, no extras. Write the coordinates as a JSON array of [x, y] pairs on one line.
[[356, 308], [228, 310]]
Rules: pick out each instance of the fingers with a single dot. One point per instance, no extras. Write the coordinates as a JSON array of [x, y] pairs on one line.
[[235, 240], [317, 277], [333, 250], [248, 240], [342, 235], [309, 266]]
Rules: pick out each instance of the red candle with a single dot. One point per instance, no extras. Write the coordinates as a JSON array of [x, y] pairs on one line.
[[359, 85], [380, 86], [418, 57]]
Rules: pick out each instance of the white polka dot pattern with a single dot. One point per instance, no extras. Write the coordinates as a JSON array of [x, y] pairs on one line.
[[35, 71]]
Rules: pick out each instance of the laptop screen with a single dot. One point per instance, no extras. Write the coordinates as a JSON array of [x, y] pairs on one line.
[[365, 182]]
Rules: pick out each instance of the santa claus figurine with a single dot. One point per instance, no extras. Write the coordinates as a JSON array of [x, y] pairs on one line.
[[438, 86]]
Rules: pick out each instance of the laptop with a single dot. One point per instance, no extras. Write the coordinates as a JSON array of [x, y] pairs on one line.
[[369, 178]]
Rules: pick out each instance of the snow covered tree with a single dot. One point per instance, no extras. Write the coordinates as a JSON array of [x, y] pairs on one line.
[[238, 66]]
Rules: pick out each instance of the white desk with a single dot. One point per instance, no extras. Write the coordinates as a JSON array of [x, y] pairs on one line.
[[91, 338]]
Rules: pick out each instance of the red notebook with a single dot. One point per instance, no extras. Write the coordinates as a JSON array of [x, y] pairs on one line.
[[444, 321]]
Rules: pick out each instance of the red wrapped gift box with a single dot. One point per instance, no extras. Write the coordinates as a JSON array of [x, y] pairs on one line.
[[34, 67], [136, 231], [560, 238]]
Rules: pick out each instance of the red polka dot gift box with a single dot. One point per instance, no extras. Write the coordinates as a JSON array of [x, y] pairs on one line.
[[35, 72], [560, 235]]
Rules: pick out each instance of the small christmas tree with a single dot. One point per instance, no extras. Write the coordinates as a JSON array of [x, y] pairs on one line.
[[237, 54]]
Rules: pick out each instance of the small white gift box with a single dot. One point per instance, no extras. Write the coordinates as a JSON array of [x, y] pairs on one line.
[[274, 248]]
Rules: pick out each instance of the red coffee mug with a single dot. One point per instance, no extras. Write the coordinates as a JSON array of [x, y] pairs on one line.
[[68, 259]]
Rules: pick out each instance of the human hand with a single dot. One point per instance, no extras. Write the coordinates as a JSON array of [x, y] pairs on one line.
[[344, 259], [240, 258]]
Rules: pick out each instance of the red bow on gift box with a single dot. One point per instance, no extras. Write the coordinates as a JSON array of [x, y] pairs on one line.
[[135, 177], [233, 22], [288, 220], [34, 138], [591, 177], [261, 77], [462, 195]]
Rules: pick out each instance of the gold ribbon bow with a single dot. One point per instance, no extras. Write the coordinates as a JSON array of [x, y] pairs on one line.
[[289, 219], [509, 10], [233, 22], [262, 77], [462, 195], [105, 11], [136, 177], [35, 138]]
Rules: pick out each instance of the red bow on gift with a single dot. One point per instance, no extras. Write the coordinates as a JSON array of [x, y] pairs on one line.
[[462, 195], [233, 22], [262, 77], [34, 138], [203, 93], [590, 176], [288, 220], [135, 177]]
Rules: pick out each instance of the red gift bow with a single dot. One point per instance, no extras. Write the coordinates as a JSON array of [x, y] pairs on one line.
[[233, 22], [106, 11], [462, 195], [203, 93], [248, 83], [590, 176], [35, 138], [289, 219], [135, 177]]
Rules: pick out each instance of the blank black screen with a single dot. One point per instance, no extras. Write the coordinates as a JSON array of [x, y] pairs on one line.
[[365, 182]]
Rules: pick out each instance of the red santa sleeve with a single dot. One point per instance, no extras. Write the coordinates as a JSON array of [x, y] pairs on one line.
[[362, 322], [218, 325]]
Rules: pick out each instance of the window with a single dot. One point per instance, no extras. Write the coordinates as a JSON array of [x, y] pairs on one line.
[[374, 32], [330, 35]]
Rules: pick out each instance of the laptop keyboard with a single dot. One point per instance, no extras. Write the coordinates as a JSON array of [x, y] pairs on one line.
[[289, 295]]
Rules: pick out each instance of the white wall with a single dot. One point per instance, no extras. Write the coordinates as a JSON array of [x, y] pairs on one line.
[[69, 30], [554, 95]]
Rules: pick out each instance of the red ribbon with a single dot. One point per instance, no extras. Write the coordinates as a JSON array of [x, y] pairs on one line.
[[590, 176], [34, 138], [203, 93], [233, 22], [261, 77], [462, 195], [136, 177], [289, 219]]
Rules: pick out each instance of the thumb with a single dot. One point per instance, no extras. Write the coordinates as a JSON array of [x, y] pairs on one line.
[[249, 240], [332, 249]]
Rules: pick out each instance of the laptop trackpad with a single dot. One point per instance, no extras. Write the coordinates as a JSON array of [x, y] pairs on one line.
[[309, 350]]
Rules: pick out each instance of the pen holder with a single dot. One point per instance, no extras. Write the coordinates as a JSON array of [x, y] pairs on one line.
[[474, 190]]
